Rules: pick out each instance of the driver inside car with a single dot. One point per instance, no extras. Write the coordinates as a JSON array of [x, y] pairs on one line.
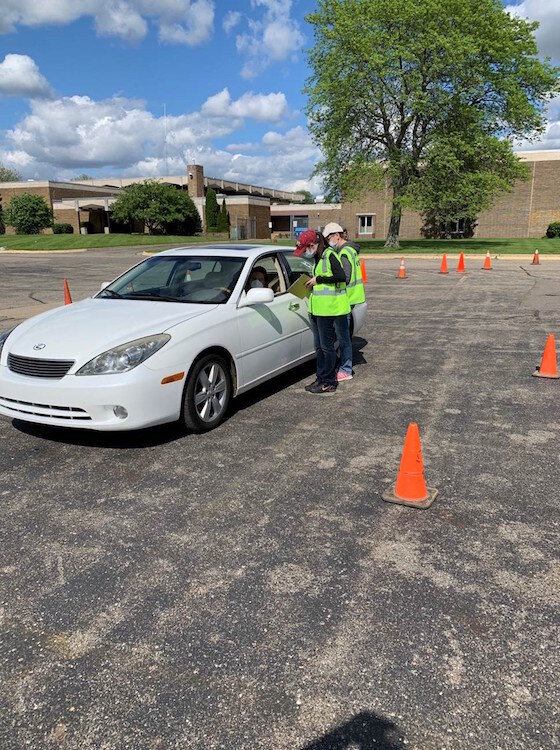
[[258, 279]]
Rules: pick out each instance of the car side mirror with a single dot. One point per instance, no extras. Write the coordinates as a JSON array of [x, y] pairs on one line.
[[256, 297], [103, 285]]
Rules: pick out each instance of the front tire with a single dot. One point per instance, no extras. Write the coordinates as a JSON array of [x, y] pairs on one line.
[[207, 393]]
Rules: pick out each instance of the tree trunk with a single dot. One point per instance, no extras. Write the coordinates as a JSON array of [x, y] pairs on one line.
[[394, 227], [396, 215]]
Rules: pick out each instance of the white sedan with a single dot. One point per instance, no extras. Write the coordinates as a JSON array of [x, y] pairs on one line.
[[175, 337]]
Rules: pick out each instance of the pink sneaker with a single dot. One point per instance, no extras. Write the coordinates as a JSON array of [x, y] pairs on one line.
[[340, 376]]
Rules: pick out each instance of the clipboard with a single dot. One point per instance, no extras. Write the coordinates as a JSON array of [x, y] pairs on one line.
[[299, 289]]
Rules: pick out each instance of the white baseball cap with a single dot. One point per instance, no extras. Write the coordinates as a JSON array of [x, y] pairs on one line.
[[332, 228]]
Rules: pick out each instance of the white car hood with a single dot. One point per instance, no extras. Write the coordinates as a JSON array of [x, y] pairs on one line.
[[84, 329]]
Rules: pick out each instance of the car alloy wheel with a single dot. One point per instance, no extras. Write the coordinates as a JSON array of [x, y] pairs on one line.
[[207, 394]]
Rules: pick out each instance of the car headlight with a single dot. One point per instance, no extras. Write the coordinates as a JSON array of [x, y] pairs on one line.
[[3, 337], [124, 357]]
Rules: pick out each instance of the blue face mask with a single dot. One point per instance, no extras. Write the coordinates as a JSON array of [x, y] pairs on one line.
[[334, 245], [308, 254]]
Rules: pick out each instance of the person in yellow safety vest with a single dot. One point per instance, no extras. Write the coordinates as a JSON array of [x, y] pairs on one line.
[[348, 257], [327, 303]]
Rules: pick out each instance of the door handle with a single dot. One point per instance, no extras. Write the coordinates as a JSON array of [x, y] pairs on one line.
[[293, 306]]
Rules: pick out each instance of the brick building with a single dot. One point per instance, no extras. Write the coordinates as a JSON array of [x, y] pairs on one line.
[[86, 204], [525, 212], [257, 212]]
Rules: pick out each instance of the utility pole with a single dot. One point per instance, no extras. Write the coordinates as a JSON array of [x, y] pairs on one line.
[[165, 138]]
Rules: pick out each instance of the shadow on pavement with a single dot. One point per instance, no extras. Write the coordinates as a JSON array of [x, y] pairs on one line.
[[365, 731], [148, 438]]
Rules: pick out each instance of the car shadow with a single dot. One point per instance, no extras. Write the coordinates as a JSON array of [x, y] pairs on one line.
[[146, 438], [275, 385]]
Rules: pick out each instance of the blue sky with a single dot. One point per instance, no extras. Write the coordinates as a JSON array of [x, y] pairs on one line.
[[83, 84]]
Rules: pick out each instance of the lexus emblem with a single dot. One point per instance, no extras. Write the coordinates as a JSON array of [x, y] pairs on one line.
[[38, 347]]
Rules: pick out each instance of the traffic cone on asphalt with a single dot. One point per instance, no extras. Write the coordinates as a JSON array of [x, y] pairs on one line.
[[410, 487], [363, 270], [487, 262], [67, 297], [402, 270], [548, 367], [443, 268], [461, 264], [536, 261]]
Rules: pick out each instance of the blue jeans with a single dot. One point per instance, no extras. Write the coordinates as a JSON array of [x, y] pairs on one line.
[[342, 328], [323, 337]]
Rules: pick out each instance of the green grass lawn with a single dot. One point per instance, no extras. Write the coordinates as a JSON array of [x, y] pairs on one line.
[[80, 241], [408, 247], [469, 247]]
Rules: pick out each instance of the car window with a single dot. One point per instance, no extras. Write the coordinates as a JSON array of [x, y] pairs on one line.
[[297, 266], [196, 279], [274, 276]]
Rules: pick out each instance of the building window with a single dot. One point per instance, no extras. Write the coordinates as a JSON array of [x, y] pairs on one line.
[[365, 224]]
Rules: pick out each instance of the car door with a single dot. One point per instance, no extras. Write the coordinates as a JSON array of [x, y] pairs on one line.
[[295, 266], [270, 334]]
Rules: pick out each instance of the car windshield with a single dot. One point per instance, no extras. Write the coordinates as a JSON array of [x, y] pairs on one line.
[[201, 279]]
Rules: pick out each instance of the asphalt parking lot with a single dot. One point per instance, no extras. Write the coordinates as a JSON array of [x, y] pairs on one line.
[[249, 589]]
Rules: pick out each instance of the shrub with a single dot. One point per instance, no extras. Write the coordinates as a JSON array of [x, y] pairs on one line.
[[28, 213], [62, 228], [212, 211], [553, 229]]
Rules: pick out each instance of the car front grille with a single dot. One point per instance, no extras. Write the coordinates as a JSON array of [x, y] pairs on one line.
[[39, 368], [69, 413]]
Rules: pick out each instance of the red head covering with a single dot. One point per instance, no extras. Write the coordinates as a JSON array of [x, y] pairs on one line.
[[309, 237]]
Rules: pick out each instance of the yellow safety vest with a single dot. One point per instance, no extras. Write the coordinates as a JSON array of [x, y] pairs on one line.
[[328, 299], [355, 287]]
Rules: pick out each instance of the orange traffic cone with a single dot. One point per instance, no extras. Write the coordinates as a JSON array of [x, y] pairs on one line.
[[67, 297], [410, 487], [487, 262], [461, 264], [548, 367], [536, 261], [363, 270], [402, 271], [443, 268]]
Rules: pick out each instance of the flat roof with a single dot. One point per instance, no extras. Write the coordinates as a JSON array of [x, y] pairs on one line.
[[78, 186], [552, 154]]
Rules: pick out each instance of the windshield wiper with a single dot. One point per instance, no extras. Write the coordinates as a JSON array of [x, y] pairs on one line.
[[156, 297], [110, 291]]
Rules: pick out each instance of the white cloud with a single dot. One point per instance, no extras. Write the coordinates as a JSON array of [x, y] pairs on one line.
[[20, 76], [231, 19], [550, 139], [270, 39], [547, 13], [61, 136], [121, 19], [260, 107], [179, 21]]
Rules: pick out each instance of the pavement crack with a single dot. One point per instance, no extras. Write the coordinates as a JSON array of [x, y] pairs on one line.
[[36, 299]]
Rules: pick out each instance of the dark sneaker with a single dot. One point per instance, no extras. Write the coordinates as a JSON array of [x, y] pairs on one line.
[[322, 388], [309, 388]]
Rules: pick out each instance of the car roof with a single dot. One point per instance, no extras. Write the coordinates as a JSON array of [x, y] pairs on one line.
[[234, 251]]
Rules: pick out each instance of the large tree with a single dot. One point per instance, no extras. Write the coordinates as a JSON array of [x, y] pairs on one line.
[[163, 208], [9, 175], [393, 80], [28, 213]]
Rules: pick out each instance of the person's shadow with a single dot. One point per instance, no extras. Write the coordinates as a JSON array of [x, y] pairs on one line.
[[365, 731]]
